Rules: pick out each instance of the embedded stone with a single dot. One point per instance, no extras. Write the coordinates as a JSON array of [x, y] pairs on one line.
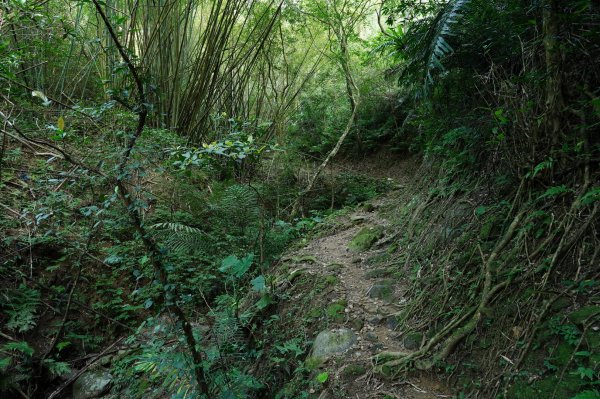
[[333, 342], [92, 384], [366, 238], [413, 341]]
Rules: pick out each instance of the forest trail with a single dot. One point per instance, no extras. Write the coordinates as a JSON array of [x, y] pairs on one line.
[[370, 296]]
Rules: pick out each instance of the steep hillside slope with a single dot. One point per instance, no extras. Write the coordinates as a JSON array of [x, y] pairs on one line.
[[388, 297]]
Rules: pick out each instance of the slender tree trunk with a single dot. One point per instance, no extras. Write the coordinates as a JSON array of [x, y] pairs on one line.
[[554, 73], [353, 100], [171, 295]]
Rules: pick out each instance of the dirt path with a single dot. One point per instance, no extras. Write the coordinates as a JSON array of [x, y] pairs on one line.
[[372, 298]]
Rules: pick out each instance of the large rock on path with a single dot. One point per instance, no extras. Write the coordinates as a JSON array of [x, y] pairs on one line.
[[332, 342], [365, 238], [92, 384]]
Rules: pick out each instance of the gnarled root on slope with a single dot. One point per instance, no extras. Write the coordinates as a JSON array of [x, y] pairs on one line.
[[391, 364]]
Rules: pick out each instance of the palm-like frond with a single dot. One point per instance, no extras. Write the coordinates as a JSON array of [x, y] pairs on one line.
[[421, 48], [179, 237], [176, 227], [239, 206], [440, 31]]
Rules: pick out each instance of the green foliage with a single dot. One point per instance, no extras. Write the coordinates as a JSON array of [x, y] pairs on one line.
[[568, 331], [16, 367], [235, 152], [423, 43], [322, 377], [540, 167], [234, 267], [219, 211], [239, 206], [56, 368], [555, 192], [19, 347], [234, 148], [591, 196], [324, 114], [179, 237], [21, 306], [588, 394], [438, 46], [171, 372]]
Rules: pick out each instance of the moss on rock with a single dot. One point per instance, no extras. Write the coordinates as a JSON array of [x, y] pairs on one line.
[[412, 341], [333, 342], [560, 304], [377, 273], [365, 238], [335, 311], [383, 289], [562, 354]]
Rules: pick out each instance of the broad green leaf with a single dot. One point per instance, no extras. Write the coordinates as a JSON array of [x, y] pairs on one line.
[[259, 284], [323, 377], [148, 303], [264, 301], [228, 263]]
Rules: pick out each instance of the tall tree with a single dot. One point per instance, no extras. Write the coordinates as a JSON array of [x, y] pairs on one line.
[[342, 19]]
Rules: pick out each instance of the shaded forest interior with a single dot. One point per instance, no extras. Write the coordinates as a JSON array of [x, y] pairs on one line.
[[299, 199]]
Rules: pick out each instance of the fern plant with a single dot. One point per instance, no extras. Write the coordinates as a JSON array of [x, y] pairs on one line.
[[425, 44], [178, 237], [20, 305], [439, 48], [239, 207], [169, 370]]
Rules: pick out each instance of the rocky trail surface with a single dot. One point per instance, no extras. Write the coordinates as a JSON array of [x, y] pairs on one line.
[[368, 299]]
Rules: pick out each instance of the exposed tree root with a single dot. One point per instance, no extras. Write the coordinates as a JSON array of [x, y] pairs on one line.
[[443, 343]]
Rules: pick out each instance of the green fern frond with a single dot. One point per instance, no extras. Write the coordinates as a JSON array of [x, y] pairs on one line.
[[227, 330], [239, 206], [421, 50], [176, 227], [172, 369], [186, 243], [179, 237], [442, 29]]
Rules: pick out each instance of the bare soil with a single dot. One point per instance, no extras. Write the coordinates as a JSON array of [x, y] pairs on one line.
[[372, 319]]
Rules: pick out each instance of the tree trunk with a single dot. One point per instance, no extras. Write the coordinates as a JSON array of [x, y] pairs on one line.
[[554, 78], [353, 100]]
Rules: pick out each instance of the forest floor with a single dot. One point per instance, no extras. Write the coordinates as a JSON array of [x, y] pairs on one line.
[[370, 296]]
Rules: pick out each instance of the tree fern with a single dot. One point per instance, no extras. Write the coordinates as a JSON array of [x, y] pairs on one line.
[[170, 369], [176, 227]]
